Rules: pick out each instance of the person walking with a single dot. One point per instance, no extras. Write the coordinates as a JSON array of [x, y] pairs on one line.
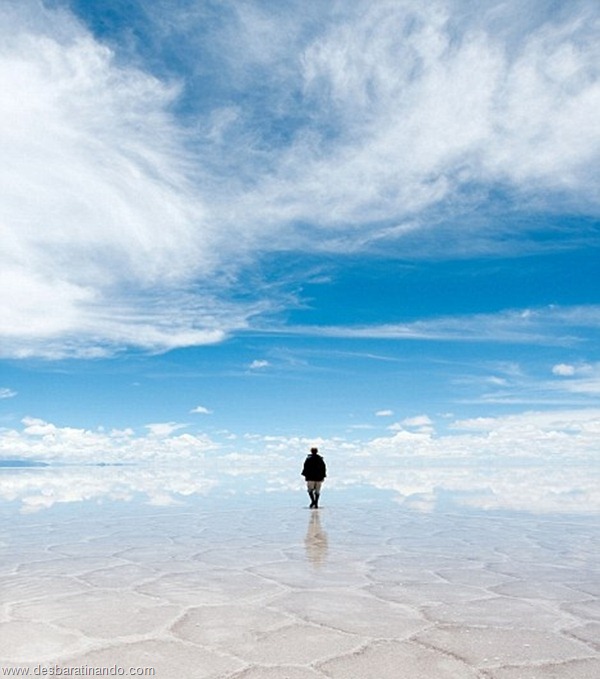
[[314, 472]]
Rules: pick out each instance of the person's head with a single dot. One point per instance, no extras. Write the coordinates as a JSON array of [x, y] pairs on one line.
[[314, 451]]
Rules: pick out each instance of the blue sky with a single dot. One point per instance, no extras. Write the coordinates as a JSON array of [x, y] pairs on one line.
[[244, 226]]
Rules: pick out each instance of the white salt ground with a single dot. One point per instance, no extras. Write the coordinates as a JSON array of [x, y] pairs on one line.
[[272, 590]]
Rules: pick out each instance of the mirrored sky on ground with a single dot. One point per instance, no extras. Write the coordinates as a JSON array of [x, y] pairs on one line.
[[234, 229]]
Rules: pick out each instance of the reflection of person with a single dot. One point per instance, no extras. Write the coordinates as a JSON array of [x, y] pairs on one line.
[[314, 472], [315, 541]]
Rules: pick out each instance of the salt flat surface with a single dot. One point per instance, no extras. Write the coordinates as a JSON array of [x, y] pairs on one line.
[[267, 589]]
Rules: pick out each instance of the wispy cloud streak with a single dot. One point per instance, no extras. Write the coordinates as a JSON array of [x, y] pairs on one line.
[[550, 325]]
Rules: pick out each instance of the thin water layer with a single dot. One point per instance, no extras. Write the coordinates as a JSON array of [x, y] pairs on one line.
[[259, 586]]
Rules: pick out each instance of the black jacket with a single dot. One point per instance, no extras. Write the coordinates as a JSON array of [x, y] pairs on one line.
[[314, 468]]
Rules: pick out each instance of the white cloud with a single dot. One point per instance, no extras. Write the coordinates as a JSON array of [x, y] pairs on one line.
[[557, 434], [424, 103], [417, 421], [138, 229], [45, 441], [110, 252], [554, 428], [551, 325], [497, 381], [259, 364], [532, 435], [5, 392], [571, 385], [584, 379], [384, 413], [201, 410], [164, 429], [563, 369], [418, 426]]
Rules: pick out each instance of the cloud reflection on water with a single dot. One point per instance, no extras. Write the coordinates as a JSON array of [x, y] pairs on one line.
[[568, 488]]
